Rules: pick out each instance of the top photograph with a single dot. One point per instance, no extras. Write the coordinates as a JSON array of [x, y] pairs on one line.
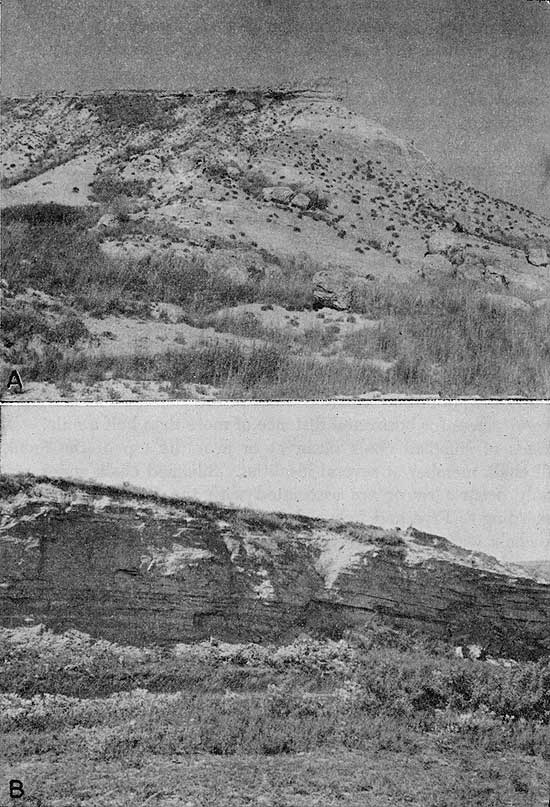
[[275, 200]]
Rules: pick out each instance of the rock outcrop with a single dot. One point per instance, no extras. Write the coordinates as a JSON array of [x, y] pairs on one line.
[[301, 201], [441, 242], [537, 256], [280, 194], [136, 568], [331, 289]]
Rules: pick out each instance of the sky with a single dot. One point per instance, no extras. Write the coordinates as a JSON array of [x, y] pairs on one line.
[[476, 473], [467, 80]]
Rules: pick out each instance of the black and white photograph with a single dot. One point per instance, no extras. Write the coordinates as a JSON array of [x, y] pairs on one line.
[[340, 605], [274, 403], [275, 199]]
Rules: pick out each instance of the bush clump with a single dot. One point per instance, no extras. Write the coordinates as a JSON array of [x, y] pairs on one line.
[[120, 110], [253, 183], [109, 186]]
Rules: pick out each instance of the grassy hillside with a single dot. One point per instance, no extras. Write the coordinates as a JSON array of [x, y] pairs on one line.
[[257, 244], [445, 338]]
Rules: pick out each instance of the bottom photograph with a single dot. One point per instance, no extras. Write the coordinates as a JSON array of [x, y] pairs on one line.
[[298, 605]]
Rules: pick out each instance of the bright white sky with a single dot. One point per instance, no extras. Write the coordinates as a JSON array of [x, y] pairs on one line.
[[478, 474]]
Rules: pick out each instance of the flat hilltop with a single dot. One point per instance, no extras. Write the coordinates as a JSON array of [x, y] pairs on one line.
[[257, 243]]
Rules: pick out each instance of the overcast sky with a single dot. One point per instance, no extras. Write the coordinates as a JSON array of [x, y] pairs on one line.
[[478, 474], [466, 79]]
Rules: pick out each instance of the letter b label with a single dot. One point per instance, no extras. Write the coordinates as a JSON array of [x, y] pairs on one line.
[[16, 789]]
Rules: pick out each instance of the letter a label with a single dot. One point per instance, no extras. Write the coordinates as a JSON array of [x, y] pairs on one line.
[[14, 383]]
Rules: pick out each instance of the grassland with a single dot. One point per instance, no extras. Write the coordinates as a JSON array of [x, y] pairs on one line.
[[375, 717], [446, 337]]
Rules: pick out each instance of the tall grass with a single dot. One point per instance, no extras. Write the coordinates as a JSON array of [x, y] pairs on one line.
[[449, 338], [262, 371], [442, 338], [50, 248]]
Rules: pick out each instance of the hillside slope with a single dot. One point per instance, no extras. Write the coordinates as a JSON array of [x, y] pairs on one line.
[[225, 216], [199, 158], [137, 568]]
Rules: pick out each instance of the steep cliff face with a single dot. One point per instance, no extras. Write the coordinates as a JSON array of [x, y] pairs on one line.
[[140, 569]]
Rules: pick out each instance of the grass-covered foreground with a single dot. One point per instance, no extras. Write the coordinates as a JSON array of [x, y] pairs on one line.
[[374, 718], [447, 337]]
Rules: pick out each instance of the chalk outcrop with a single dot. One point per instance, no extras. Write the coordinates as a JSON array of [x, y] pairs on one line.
[[136, 568]]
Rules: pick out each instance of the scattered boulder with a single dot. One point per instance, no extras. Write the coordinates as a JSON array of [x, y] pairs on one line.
[[476, 652], [463, 222], [473, 652], [506, 302], [537, 256], [334, 288], [233, 171], [329, 291], [108, 221], [441, 241], [280, 193], [457, 255], [301, 201], [235, 272], [436, 266], [542, 304], [437, 200]]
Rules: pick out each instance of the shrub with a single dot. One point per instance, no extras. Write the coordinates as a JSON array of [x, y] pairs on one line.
[[215, 171], [120, 110], [109, 186], [45, 215], [318, 201], [253, 183]]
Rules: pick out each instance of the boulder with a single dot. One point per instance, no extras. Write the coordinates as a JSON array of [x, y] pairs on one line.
[[437, 266], [233, 171], [537, 256], [248, 106], [542, 304], [330, 292], [441, 241], [506, 302], [333, 288], [235, 272], [108, 221], [437, 200], [280, 193], [301, 201], [463, 222], [476, 652]]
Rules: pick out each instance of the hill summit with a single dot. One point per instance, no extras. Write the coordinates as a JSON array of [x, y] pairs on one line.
[[264, 158]]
